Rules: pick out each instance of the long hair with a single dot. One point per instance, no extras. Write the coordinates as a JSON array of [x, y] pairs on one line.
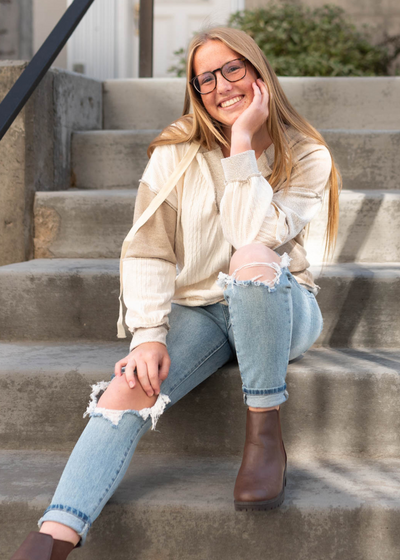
[[198, 126]]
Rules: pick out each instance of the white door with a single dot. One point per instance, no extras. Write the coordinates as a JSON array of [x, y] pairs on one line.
[[175, 22], [106, 44]]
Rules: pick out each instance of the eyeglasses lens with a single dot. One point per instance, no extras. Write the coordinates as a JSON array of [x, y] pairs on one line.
[[231, 71]]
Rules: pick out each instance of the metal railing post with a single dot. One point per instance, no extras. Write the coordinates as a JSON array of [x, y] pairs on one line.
[[146, 18]]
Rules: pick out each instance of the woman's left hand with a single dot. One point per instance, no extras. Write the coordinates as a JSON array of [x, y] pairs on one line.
[[255, 115]]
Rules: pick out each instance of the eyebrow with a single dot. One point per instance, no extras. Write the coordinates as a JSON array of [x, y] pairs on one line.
[[231, 60]]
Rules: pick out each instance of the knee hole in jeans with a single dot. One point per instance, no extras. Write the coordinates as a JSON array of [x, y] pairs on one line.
[[115, 415]]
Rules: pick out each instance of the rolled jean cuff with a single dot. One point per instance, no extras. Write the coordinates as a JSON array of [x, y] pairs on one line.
[[265, 401], [81, 526]]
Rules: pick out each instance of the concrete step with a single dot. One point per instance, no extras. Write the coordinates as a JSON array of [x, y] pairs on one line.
[[93, 224], [169, 507], [342, 403], [83, 223], [367, 159], [107, 159], [69, 299], [354, 103], [368, 227]]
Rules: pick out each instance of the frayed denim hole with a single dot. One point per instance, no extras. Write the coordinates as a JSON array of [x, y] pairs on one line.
[[224, 280], [114, 415], [248, 284]]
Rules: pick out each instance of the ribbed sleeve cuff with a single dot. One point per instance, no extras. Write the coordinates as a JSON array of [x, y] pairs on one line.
[[240, 167], [149, 334]]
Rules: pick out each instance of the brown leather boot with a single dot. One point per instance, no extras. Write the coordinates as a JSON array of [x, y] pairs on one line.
[[261, 480], [41, 546]]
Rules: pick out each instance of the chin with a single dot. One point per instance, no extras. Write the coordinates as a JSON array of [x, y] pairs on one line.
[[229, 122]]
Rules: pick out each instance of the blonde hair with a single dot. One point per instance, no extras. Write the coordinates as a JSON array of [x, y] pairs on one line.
[[200, 127]]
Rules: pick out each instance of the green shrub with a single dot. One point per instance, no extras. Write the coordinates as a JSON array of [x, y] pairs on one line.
[[179, 69], [300, 41]]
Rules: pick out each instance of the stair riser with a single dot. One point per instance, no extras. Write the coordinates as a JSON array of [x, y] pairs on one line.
[[366, 160], [110, 159], [332, 509], [335, 412], [89, 224], [360, 311], [82, 224], [81, 301], [354, 103], [117, 159], [129, 531], [367, 224]]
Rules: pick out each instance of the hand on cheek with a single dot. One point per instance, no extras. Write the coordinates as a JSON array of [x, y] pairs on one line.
[[249, 122]]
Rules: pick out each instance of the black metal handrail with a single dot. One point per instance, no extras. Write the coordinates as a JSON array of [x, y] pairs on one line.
[[23, 88]]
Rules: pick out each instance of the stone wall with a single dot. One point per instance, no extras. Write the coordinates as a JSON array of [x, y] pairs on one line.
[[16, 41], [35, 152]]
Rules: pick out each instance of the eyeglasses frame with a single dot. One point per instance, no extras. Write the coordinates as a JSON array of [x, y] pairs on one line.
[[215, 75]]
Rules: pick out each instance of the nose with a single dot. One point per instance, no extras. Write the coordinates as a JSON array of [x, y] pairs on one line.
[[222, 84]]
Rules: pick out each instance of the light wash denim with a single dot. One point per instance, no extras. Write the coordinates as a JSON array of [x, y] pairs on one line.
[[264, 324]]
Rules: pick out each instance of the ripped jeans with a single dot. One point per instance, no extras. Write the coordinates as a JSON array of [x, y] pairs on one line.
[[264, 325]]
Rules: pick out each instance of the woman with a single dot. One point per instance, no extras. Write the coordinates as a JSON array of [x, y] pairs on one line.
[[243, 286]]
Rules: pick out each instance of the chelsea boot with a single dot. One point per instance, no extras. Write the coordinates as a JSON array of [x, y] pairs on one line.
[[261, 480]]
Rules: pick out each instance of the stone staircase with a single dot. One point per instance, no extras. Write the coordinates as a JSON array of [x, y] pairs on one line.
[[342, 422]]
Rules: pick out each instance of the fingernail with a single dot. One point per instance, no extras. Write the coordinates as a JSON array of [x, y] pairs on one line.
[[131, 384]]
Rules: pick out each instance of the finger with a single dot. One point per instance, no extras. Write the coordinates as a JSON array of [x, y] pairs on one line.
[[129, 373], [164, 368], [264, 96], [152, 369], [118, 366], [143, 378], [257, 98], [263, 87]]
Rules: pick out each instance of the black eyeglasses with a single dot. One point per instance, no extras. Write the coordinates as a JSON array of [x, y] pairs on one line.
[[233, 71]]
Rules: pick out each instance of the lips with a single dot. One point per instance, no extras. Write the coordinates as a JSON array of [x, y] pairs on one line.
[[230, 101]]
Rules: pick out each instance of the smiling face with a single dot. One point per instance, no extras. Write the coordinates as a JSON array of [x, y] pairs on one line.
[[229, 99]]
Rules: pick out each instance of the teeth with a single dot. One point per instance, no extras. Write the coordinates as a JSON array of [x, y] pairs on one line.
[[231, 102]]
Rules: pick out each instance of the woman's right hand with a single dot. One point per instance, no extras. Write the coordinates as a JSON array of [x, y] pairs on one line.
[[152, 363]]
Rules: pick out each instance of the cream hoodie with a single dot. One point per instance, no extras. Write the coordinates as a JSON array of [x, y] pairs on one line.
[[219, 205]]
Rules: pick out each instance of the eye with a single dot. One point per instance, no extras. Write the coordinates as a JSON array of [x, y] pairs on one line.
[[205, 79], [232, 68]]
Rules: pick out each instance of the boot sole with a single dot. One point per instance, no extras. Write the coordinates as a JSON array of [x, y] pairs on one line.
[[263, 506]]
